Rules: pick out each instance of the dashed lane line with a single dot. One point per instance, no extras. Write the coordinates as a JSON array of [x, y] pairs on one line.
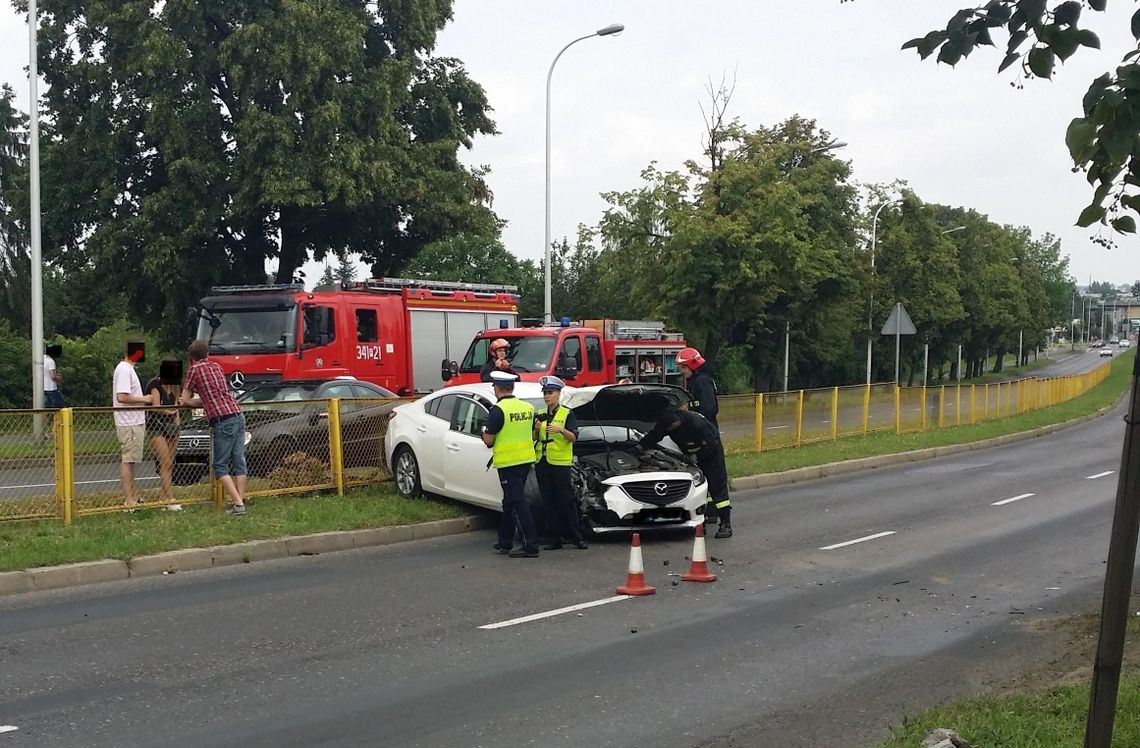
[[1003, 502], [876, 536], [1099, 475], [8, 728], [551, 613]]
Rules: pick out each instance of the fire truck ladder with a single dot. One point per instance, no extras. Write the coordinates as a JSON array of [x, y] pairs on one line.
[[389, 285]]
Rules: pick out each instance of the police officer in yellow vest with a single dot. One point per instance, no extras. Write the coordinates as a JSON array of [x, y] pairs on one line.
[[509, 433], [555, 431]]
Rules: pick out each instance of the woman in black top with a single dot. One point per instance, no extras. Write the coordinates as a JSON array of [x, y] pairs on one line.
[[162, 427]]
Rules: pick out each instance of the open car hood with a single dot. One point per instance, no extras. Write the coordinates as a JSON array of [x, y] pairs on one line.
[[635, 406]]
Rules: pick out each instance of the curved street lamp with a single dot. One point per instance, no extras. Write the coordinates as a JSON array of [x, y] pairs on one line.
[[612, 30], [871, 306]]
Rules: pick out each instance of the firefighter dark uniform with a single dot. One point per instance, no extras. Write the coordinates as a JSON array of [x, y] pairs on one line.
[[694, 435], [510, 422], [554, 454], [701, 385]]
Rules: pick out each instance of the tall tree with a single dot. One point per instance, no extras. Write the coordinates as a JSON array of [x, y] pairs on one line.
[[15, 265], [197, 139]]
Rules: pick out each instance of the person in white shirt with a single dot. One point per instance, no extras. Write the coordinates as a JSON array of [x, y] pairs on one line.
[[53, 395], [130, 425]]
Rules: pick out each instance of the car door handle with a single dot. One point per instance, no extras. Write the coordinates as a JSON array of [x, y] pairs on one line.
[[452, 447], [422, 429]]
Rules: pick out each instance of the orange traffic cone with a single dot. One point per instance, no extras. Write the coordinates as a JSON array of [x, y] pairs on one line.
[[699, 568], [635, 580]]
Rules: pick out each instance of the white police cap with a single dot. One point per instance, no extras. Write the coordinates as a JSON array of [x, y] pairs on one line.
[[504, 377], [551, 383]]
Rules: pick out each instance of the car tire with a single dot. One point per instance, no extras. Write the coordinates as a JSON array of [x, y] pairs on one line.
[[187, 475], [406, 473]]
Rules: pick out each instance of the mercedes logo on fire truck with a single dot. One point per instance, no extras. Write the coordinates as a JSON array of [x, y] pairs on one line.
[[237, 380], [660, 488]]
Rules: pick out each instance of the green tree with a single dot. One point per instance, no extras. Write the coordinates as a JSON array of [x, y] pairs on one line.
[[466, 258], [195, 141], [1105, 141], [15, 264]]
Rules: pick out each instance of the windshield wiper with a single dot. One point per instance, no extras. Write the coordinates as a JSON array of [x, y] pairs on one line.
[[215, 348], [518, 367]]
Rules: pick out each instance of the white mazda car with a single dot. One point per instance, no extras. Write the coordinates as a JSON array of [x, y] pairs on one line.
[[434, 445]]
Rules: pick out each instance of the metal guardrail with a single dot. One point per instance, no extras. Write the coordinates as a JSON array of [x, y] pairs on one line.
[[65, 463]]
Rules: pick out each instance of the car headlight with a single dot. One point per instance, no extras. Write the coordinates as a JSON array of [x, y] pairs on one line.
[[248, 436], [698, 478]]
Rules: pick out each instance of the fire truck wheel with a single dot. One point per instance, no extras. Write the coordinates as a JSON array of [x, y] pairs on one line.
[[407, 472]]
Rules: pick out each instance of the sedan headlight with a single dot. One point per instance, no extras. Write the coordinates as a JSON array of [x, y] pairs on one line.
[[698, 478], [248, 436]]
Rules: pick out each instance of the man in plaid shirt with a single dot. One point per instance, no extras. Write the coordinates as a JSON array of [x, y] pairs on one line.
[[227, 424]]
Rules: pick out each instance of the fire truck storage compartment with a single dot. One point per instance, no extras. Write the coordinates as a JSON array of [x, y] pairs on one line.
[[449, 334]]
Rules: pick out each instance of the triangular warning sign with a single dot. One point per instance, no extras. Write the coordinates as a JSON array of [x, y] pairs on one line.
[[899, 323]]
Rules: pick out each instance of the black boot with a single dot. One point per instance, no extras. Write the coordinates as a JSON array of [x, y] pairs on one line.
[[725, 529], [711, 517]]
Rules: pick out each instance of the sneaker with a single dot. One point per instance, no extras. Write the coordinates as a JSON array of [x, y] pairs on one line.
[[502, 549], [236, 510], [173, 507], [582, 545], [524, 553]]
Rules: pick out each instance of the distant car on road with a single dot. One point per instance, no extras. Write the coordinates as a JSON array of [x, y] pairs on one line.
[[281, 419], [1106, 352], [1124, 343]]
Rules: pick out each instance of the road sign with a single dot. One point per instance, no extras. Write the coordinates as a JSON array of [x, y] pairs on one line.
[[899, 323]]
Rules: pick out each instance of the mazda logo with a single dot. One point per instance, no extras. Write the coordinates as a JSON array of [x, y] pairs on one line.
[[237, 380], [660, 488]]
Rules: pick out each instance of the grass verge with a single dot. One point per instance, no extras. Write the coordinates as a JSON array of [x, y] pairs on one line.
[[855, 447], [1049, 716], [124, 536]]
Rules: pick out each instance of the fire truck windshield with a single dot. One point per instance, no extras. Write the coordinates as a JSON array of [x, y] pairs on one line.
[[527, 353], [250, 329]]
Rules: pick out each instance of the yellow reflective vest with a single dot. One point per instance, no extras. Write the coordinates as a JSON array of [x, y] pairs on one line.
[[514, 444], [557, 449]]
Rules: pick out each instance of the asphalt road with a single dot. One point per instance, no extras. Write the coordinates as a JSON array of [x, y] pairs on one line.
[[807, 639]]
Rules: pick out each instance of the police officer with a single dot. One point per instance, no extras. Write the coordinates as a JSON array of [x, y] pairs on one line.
[[555, 431], [699, 381], [508, 432], [497, 361], [693, 433]]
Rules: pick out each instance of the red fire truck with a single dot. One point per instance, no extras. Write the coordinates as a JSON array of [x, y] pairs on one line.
[[584, 353], [390, 331]]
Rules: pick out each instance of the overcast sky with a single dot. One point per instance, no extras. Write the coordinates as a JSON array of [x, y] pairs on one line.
[[962, 137]]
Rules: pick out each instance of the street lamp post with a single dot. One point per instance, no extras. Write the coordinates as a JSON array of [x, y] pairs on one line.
[[871, 305], [34, 219], [609, 31]]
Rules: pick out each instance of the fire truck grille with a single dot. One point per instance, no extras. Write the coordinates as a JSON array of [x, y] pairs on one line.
[[658, 492]]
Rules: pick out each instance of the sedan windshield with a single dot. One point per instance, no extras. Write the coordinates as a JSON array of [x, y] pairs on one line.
[[527, 353]]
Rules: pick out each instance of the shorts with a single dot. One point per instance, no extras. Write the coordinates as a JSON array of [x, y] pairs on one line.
[[53, 399], [228, 444], [131, 440]]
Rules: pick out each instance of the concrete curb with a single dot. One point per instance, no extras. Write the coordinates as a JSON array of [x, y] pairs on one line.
[[191, 559], [813, 472]]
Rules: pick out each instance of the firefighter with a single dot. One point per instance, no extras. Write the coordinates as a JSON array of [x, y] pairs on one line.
[[695, 436], [509, 434], [555, 431], [498, 360], [699, 381]]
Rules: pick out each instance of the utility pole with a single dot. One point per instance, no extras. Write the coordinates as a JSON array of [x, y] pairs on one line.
[[787, 340], [1117, 581]]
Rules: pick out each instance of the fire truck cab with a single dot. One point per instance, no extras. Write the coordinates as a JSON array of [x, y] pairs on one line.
[[389, 331], [582, 353]]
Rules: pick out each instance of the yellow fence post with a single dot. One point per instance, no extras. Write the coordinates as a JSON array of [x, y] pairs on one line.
[[834, 414], [986, 404], [758, 436], [958, 405], [866, 407], [1017, 408], [800, 418], [336, 452], [973, 404], [64, 464], [922, 418], [215, 485], [898, 410], [941, 403]]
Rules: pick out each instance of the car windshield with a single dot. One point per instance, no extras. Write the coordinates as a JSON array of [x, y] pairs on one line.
[[527, 353], [249, 329]]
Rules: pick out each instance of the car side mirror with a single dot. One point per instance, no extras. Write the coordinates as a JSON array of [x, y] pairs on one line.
[[445, 370], [567, 369]]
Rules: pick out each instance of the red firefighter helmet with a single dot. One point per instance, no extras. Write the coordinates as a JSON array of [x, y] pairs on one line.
[[690, 358], [498, 343]]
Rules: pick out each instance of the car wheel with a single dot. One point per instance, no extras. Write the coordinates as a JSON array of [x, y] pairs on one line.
[[187, 475], [406, 472]]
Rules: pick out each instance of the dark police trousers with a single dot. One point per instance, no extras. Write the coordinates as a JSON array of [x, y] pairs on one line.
[[516, 510], [554, 483], [710, 459]]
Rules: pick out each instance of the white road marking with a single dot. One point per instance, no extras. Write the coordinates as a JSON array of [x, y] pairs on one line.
[[858, 540], [1099, 475], [8, 728], [1015, 498], [549, 613], [80, 482]]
